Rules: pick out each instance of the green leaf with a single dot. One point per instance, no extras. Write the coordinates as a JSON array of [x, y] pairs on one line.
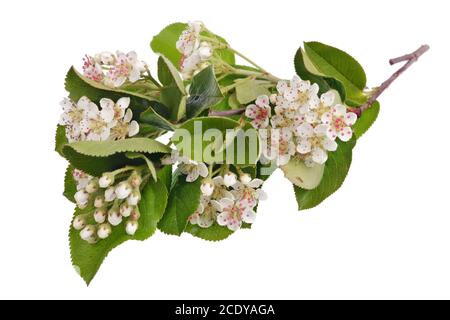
[[87, 258], [325, 83], [335, 63], [70, 186], [204, 92], [184, 198], [301, 175], [96, 157], [173, 92], [60, 139], [213, 233], [149, 117], [216, 139], [336, 169], [366, 120], [165, 42], [248, 90]]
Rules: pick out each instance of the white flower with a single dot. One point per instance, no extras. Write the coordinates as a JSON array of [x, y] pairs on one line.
[[114, 217], [189, 65], [104, 230], [233, 213], [259, 112], [97, 123], [229, 179], [88, 232], [301, 93], [131, 227], [81, 198], [281, 146], [127, 66], [134, 197], [106, 180], [206, 213], [100, 215], [81, 178], [123, 190], [125, 127], [207, 188], [314, 141], [205, 51], [110, 194], [105, 58], [193, 169], [79, 222], [220, 189], [248, 190], [189, 38], [73, 116], [339, 122], [92, 69]]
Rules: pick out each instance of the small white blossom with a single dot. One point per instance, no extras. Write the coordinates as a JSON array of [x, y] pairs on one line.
[[123, 190], [126, 209], [92, 69], [193, 169], [104, 230], [314, 141], [134, 197], [233, 213], [339, 122], [189, 38], [229, 179], [87, 233], [206, 213], [131, 227], [98, 123], [81, 198], [207, 188], [100, 215], [259, 112], [73, 116], [114, 217], [126, 67], [106, 180], [79, 222], [248, 190]]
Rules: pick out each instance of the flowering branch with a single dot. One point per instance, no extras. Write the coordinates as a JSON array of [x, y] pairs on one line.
[[411, 58]]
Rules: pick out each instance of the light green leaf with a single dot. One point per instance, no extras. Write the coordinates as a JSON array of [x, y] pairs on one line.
[[336, 169], [184, 198], [204, 92], [301, 175], [164, 42], [248, 90], [335, 63], [87, 258], [366, 120], [96, 157], [227, 139], [325, 83], [213, 233], [149, 117]]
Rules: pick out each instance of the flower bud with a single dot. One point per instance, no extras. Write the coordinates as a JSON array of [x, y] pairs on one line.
[[99, 201], [207, 188], [100, 215], [131, 227], [273, 98], [81, 198], [87, 232], [245, 178], [79, 222], [92, 186], [205, 51], [229, 179], [104, 230], [125, 210], [123, 190], [110, 194], [106, 180], [135, 214], [114, 217], [134, 198], [135, 180], [92, 240]]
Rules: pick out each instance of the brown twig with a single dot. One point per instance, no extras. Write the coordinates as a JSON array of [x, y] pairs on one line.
[[410, 58]]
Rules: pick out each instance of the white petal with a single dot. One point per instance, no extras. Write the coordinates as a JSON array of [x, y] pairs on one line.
[[305, 130], [128, 116], [222, 219], [107, 114], [304, 146], [345, 134], [329, 145], [134, 76], [234, 225], [319, 155], [251, 111], [282, 86], [133, 128], [327, 98], [283, 159], [314, 89], [123, 103], [192, 175], [216, 205], [339, 110], [331, 133], [106, 103], [262, 101], [249, 216], [226, 203], [321, 129], [326, 118], [350, 118], [202, 169], [255, 183], [83, 102]]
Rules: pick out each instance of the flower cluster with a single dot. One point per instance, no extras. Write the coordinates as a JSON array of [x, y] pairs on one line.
[[195, 53], [113, 70], [192, 169], [228, 201], [300, 123], [83, 120], [112, 202]]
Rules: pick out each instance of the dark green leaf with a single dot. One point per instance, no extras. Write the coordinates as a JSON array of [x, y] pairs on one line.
[[213, 233], [336, 169], [70, 186], [60, 139]]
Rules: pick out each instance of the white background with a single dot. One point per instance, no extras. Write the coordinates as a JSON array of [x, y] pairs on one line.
[[384, 234]]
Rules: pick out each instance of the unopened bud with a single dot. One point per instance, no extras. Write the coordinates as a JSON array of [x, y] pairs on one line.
[[114, 217], [87, 232], [134, 197], [123, 190], [81, 197], [205, 51], [131, 227], [229, 179], [273, 98], [125, 210], [135, 214], [135, 180], [100, 215], [104, 230], [93, 239], [110, 194], [99, 201], [207, 188], [79, 222], [106, 180], [92, 186], [245, 178]]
